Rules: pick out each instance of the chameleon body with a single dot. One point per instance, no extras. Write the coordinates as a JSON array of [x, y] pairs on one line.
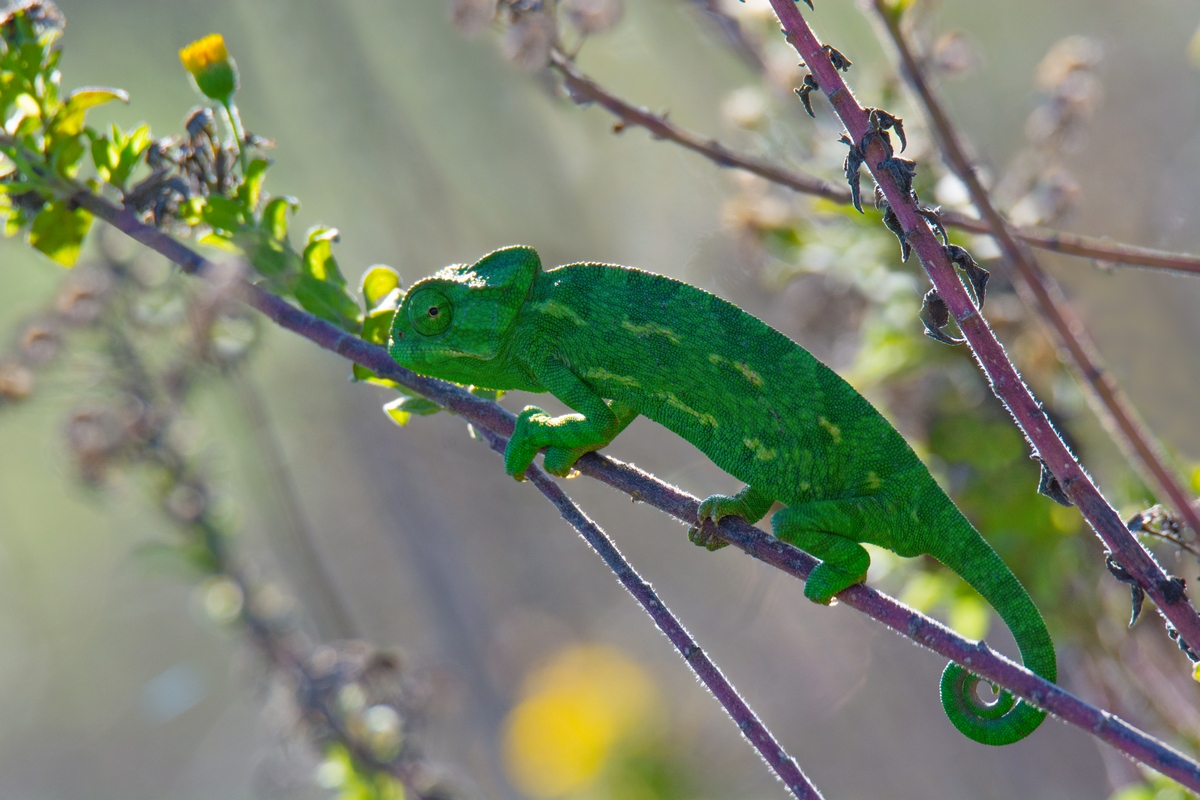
[[614, 342]]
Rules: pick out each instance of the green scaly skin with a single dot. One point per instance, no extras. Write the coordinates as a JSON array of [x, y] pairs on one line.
[[613, 342]]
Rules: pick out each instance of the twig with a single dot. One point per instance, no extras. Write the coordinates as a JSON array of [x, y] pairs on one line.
[[645, 488], [1074, 244], [584, 89], [1114, 410], [782, 764], [1168, 595]]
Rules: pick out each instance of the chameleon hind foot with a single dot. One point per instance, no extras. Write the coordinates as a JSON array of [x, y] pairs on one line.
[[561, 460], [749, 504], [827, 530]]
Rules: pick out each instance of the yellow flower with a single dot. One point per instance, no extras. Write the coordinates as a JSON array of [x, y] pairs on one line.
[[210, 65], [578, 708]]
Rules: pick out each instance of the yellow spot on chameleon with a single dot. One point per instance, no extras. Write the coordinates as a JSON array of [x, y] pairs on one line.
[[557, 309], [761, 452], [651, 328], [742, 367], [601, 374], [750, 374], [834, 431], [672, 400], [873, 481]]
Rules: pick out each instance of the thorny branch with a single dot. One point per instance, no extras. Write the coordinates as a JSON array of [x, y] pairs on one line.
[[1116, 410], [641, 486], [1074, 484], [584, 89]]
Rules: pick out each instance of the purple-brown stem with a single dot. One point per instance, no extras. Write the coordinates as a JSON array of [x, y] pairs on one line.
[[1002, 375], [648, 489], [1116, 410], [586, 89]]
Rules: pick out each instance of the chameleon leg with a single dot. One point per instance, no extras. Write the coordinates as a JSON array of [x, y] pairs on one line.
[[830, 530], [593, 426], [749, 504], [559, 460]]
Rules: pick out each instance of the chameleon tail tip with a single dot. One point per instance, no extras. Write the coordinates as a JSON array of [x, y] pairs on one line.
[[1004, 721]]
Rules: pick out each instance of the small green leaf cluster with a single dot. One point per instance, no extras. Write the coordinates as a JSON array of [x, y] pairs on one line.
[[202, 182], [199, 182], [45, 128]]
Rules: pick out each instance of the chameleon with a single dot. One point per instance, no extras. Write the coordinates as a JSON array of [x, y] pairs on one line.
[[615, 342]]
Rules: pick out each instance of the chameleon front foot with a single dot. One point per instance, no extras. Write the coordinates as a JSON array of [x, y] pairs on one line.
[[523, 445]]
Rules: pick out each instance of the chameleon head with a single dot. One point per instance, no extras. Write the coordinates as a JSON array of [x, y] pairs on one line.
[[450, 322]]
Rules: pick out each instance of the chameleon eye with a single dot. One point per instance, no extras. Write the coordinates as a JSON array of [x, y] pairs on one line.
[[429, 312]]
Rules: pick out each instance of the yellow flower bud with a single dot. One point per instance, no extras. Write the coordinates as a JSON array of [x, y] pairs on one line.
[[210, 65]]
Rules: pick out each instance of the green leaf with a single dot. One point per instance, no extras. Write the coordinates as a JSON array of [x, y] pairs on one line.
[[486, 394], [361, 373], [66, 155], [191, 212], [397, 414], [11, 215], [58, 231], [378, 325], [377, 283], [329, 302], [402, 408], [421, 406], [24, 116], [129, 147], [251, 189], [268, 255], [223, 213], [70, 117], [221, 241], [323, 233], [105, 155], [274, 219], [318, 256]]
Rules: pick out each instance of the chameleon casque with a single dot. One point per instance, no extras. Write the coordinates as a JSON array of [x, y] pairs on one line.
[[614, 342]]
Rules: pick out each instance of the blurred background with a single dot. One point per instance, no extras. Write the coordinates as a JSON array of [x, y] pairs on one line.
[[426, 146]]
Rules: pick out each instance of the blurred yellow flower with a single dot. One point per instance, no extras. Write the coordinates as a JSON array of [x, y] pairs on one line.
[[202, 52], [210, 65], [577, 709]]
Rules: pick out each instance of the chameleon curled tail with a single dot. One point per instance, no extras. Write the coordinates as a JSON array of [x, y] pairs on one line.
[[1007, 719]]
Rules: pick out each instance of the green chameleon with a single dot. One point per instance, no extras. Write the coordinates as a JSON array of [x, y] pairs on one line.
[[613, 342]]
